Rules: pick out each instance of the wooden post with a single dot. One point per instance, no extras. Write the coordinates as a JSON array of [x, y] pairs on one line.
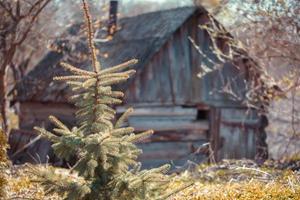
[[112, 21], [215, 140]]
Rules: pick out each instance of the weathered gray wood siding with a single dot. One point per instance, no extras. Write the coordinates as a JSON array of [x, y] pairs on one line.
[[178, 132], [170, 78], [233, 132], [37, 113], [225, 87]]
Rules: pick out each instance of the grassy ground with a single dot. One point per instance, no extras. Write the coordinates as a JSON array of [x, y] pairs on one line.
[[239, 181], [229, 180], [22, 187], [3, 164]]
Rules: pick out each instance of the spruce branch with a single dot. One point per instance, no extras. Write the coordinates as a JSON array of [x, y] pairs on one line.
[[46, 134], [122, 131], [117, 94], [123, 118], [70, 78], [112, 81], [111, 75], [58, 123], [90, 35], [68, 185], [119, 67], [76, 70], [141, 136]]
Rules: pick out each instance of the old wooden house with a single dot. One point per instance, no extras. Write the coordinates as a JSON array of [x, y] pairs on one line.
[[185, 111]]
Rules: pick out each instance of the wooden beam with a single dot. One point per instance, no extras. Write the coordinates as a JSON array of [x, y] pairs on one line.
[[168, 125], [177, 136]]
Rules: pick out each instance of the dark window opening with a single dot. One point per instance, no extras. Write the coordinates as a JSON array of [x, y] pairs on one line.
[[202, 114]]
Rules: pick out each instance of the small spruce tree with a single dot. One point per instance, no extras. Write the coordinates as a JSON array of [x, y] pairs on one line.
[[107, 167]]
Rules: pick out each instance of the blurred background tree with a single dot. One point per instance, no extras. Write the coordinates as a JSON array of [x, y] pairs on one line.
[[18, 19]]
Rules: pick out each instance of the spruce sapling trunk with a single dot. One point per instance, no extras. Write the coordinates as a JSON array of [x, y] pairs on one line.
[[107, 168]]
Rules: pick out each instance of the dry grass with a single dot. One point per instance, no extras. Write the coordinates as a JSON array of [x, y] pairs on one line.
[[230, 180], [3, 164], [239, 180], [246, 190], [21, 186]]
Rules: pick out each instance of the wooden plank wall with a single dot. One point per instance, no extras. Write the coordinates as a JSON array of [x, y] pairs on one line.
[[171, 76], [235, 134], [175, 153], [36, 114], [178, 132]]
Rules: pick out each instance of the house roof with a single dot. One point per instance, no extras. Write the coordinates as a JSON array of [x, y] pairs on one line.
[[139, 37]]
